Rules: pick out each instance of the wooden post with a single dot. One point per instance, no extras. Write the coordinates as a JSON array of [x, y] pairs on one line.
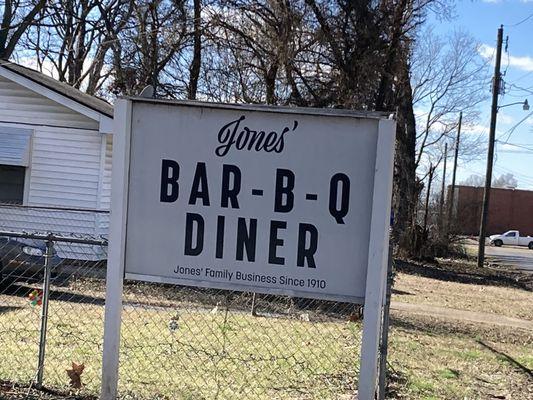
[[443, 189], [377, 261], [426, 211], [456, 156], [490, 156], [115, 260], [382, 385]]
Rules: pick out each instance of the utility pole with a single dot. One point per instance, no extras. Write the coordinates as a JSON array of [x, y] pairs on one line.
[[426, 211], [490, 157], [443, 189], [456, 156]]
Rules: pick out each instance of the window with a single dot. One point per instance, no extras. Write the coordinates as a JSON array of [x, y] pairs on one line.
[[511, 234], [15, 146], [12, 184]]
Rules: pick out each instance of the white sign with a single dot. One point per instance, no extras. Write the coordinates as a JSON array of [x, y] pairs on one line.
[[271, 200], [242, 199]]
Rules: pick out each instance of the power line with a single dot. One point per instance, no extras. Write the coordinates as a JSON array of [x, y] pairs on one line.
[[527, 90], [526, 178], [517, 145], [520, 22], [513, 128], [523, 76]]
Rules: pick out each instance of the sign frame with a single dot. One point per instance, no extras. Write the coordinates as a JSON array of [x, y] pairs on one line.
[[378, 240]]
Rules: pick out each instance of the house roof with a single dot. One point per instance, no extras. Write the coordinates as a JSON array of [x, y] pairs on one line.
[[61, 88]]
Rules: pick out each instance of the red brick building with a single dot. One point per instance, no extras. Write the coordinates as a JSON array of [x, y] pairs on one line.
[[508, 209]]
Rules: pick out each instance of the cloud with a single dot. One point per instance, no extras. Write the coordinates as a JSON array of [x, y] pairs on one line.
[[477, 128], [524, 63], [505, 119], [506, 146]]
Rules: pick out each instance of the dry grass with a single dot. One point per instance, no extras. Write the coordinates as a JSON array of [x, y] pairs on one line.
[[437, 359], [511, 302], [217, 355]]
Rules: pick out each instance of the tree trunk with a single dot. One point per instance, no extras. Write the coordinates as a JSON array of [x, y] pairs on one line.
[[270, 83], [405, 191], [197, 51]]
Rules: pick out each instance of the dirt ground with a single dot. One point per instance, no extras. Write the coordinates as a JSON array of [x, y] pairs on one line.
[[12, 391]]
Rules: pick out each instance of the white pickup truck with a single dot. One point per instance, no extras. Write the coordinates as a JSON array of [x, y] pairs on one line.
[[512, 238]]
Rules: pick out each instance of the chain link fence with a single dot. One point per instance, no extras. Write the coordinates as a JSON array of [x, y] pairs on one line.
[[176, 342], [50, 316], [189, 343]]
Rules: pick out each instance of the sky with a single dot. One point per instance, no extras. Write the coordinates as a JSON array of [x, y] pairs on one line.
[[514, 147]]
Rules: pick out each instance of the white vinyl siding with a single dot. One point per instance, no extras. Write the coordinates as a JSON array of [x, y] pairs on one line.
[[60, 222], [105, 191], [67, 223], [69, 166], [102, 220], [21, 105]]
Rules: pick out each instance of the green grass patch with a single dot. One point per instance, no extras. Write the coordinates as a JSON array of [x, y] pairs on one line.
[[448, 373]]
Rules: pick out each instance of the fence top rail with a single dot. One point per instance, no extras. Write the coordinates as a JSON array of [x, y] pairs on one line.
[[53, 238]]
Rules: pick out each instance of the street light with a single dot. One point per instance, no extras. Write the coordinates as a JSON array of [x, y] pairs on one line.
[[488, 176], [525, 105]]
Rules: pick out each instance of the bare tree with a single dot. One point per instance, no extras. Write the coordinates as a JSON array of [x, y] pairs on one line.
[[74, 37], [448, 77], [197, 51], [155, 34], [17, 17], [254, 46]]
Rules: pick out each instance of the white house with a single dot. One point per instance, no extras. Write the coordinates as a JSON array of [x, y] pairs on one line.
[[55, 155]]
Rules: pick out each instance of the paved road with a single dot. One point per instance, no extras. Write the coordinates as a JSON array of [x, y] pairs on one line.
[[518, 257]]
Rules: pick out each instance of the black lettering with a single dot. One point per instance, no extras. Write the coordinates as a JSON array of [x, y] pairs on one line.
[[219, 251], [250, 139], [199, 188], [307, 252], [270, 142], [194, 249], [226, 136], [229, 194], [281, 144], [242, 139], [284, 189], [246, 238], [275, 242], [342, 211], [257, 139], [170, 172]]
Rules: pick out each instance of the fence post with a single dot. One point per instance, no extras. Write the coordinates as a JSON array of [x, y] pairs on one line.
[[254, 304], [44, 310], [384, 348]]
